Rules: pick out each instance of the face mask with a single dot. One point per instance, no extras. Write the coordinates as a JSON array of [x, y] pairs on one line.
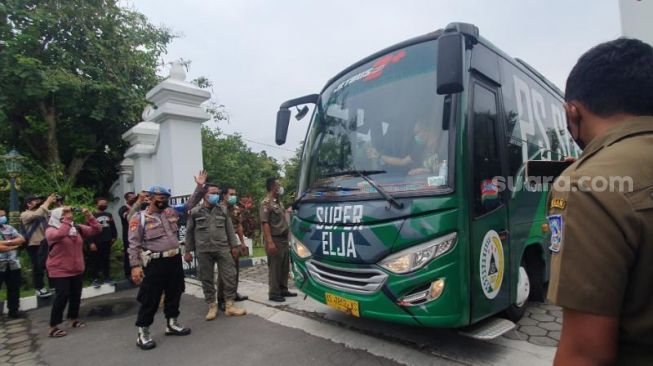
[[419, 140], [161, 205], [213, 199], [102, 207], [3, 220], [281, 191], [233, 200]]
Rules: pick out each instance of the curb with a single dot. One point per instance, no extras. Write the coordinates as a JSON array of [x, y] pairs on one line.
[[33, 302]]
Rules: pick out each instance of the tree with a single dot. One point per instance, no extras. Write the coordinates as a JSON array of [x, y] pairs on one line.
[[73, 78], [228, 160], [291, 170]]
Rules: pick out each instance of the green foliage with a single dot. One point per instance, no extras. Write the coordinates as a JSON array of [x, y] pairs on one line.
[[228, 160], [73, 78], [290, 179]]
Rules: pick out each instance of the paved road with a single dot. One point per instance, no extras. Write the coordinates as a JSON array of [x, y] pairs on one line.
[[110, 339], [298, 332]]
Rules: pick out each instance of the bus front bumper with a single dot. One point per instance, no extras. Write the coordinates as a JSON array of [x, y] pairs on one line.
[[449, 310]]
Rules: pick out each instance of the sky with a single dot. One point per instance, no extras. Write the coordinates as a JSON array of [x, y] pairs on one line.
[[261, 53]]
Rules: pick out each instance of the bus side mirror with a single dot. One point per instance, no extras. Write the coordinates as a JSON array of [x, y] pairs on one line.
[[283, 119], [283, 115], [450, 63]]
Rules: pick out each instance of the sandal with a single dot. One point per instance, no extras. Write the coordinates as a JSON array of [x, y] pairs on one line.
[[77, 324], [57, 333]]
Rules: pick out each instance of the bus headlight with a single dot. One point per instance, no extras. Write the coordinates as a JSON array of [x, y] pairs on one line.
[[416, 257], [299, 248]]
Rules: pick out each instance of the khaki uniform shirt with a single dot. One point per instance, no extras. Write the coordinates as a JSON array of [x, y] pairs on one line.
[[273, 212], [602, 239], [208, 229], [36, 217], [156, 232]]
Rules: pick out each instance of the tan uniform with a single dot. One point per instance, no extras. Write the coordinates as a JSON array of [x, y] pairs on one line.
[[602, 240], [211, 235], [273, 213]]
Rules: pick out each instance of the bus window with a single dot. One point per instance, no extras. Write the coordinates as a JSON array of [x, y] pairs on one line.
[[486, 160]]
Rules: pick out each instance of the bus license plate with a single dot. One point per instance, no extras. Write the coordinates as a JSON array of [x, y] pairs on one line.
[[340, 303]]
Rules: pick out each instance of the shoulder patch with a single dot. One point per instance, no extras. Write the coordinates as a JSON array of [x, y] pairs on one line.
[[556, 226], [560, 203]]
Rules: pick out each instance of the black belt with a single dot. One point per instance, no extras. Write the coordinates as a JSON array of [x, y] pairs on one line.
[[284, 236]]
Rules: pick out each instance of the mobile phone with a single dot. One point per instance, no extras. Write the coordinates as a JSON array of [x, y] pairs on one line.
[[77, 210], [545, 168]]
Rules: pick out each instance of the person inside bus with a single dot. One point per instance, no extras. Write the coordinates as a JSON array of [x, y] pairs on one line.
[[422, 156]]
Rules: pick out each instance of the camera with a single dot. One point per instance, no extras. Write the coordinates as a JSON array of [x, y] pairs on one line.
[[76, 210], [59, 198]]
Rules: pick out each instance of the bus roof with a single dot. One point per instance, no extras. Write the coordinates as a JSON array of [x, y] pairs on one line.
[[518, 63]]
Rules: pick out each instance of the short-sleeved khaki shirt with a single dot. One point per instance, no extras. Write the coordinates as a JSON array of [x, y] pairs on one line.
[[601, 221], [273, 212]]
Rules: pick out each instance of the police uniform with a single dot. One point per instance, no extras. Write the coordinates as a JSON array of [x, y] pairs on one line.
[[273, 213], [602, 240], [154, 245], [236, 220], [211, 235]]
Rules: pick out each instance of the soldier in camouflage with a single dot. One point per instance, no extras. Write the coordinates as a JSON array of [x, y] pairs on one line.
[[210, 233]]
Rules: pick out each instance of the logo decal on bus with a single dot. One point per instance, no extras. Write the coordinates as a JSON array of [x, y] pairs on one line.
[[373, 72], [491, 264]]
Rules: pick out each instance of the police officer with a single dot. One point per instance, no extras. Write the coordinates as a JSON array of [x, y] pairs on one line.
[[229, 202], [601, 210], [210, 233], [155, 258], [275, 232]]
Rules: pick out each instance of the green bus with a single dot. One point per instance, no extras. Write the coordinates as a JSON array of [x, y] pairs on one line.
[[412, 204]]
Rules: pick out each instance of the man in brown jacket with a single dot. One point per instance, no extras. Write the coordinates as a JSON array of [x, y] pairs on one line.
[[34, 220]]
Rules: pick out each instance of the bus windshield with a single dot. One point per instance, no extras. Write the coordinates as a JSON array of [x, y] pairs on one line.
[[383, 121]]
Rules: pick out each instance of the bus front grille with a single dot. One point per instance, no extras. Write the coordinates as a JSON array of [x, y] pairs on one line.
[[356, 280]]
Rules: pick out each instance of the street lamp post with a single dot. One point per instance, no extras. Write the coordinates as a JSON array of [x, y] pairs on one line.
[[13, 167]]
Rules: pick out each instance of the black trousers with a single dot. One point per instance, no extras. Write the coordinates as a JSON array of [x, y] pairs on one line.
[[68, 291], [37, 271], [100, 260], [163, 275], [12, 280], [221, 283]]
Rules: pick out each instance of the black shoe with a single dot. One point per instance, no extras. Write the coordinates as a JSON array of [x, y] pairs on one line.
[[17, 314], [240, 297], [288, 294], [277, 298], [144, 341], [221, 305], [174, 328]]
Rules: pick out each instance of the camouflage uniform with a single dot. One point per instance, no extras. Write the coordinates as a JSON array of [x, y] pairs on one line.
[[273, 213], [211, 235]]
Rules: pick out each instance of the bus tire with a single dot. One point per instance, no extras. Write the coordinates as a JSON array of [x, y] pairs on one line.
[[517, 308], [535, 269]]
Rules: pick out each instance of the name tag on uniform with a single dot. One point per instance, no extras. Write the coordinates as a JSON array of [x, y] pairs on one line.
[[556, 227]]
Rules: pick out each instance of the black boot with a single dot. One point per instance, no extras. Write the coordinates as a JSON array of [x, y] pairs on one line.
[[174, 328], [144, 341]]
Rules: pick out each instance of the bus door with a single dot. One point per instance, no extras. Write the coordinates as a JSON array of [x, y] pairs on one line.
[[489, 237]]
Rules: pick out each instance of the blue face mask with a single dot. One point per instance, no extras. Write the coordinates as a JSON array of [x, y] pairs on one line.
[[214, 199], [233, 200], [3, 220], [419, 140]]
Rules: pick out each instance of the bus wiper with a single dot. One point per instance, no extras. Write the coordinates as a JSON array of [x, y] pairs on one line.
[[356, 172], [365, 175], [296, 203]]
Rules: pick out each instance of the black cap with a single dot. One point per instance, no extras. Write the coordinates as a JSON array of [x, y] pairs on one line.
[[32, 197]]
